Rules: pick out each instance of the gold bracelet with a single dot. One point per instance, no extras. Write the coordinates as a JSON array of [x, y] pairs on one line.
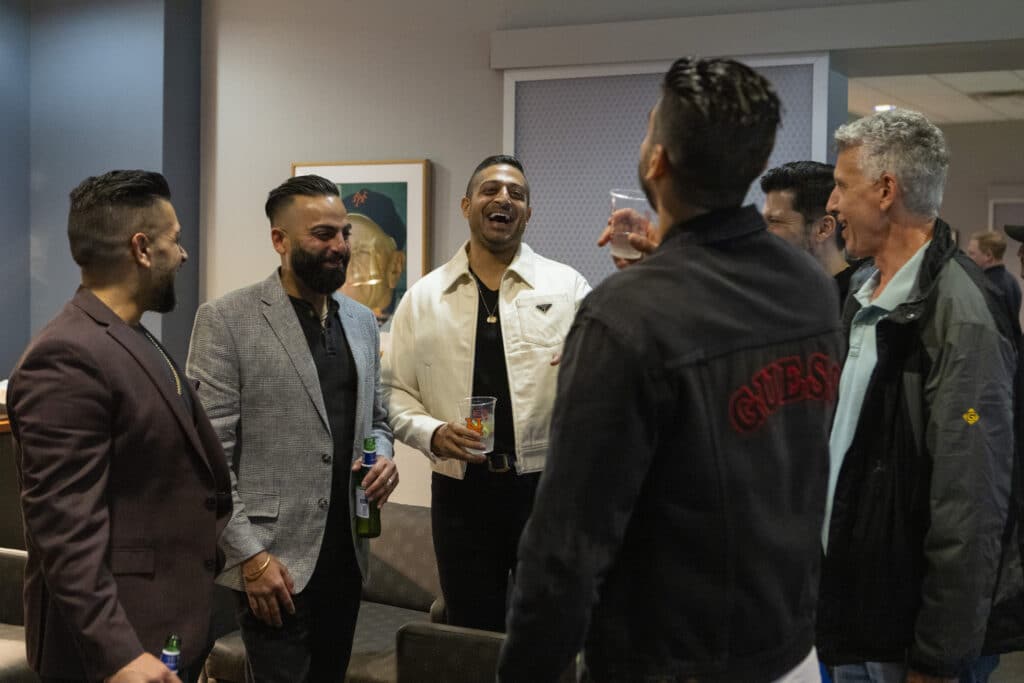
[[259, 572]]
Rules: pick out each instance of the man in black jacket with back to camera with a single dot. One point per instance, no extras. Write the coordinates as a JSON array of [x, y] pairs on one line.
[[675, 530]]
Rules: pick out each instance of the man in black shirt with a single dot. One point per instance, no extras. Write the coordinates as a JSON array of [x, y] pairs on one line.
[[987, 249], [795, 195], [289, 371], [490, 322]]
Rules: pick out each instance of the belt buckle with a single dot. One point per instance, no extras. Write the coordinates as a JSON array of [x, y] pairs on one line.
[[498, 463]]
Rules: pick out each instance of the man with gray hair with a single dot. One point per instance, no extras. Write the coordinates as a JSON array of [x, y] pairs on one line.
[[921, 573]]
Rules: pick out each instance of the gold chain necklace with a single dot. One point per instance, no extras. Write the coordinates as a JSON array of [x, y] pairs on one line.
[[491, 315], [177, 379]]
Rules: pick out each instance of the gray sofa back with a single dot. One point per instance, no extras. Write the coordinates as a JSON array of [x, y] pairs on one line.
[[403, 571]]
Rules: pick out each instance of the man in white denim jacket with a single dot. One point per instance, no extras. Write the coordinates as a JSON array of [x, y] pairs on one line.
[[490, 322]]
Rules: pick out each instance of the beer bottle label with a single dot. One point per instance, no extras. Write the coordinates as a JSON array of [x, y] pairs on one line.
[[170, 659], [362, 505]]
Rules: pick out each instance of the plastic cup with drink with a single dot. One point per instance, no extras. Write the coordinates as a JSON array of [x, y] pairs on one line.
[[631, 213], [477, 413]]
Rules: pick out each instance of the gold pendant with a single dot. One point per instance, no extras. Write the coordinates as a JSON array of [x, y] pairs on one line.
[[492, 319]]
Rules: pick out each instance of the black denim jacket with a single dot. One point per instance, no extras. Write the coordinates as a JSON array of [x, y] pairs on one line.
[[677, 526]]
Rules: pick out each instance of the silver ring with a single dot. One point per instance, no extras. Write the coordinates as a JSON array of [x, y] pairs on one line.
[[391, 481]]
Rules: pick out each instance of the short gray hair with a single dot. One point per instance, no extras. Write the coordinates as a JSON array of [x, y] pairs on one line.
[[909, 146]]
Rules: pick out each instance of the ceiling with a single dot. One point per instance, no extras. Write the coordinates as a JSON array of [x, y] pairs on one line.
[[945, 98]]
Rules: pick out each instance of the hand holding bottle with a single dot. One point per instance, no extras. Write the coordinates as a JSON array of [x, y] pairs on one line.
[[143, 669]]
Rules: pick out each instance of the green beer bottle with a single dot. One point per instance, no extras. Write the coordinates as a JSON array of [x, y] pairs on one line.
[[171, 654], [367, 513]]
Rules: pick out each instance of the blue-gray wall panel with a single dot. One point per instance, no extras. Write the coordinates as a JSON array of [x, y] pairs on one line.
[[580, 137], [14, 165], [96, 80], [182, 51]]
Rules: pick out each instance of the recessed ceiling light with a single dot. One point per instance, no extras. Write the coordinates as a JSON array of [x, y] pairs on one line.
[[884, 107]]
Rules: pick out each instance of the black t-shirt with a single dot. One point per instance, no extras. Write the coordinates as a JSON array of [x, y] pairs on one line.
[[490, 376], [338, 384]]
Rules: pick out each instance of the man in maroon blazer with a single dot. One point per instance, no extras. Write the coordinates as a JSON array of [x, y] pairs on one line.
[[124, 485]]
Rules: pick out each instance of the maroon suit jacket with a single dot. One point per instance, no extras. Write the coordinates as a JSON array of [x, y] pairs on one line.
[[124, 496]]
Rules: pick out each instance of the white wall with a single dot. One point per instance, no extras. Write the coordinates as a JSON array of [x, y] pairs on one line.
[[983, 154]]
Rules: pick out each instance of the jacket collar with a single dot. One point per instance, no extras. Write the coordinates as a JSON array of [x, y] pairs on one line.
[[941, 249], [280, 315], [272, 293], [136, 346], [91, 305], [716, 226], [523, 266], [939, 252]]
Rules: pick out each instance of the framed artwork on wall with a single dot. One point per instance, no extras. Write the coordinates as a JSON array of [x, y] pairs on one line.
[[388, 206]]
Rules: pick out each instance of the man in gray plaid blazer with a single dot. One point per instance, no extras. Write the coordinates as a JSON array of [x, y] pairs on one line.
[[289, 372]]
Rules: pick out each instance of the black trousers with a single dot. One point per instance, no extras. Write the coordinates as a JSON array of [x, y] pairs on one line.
[[314, 644], [476, 523]]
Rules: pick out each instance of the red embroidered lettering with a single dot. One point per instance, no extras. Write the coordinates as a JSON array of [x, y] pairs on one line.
[[783, 381]]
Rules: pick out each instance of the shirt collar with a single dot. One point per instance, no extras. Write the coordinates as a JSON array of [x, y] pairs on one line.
[[303, 307], [523, 266], [717, 226], [899, 288]]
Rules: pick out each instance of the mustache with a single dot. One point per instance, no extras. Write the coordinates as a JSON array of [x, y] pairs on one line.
[[343, 259]]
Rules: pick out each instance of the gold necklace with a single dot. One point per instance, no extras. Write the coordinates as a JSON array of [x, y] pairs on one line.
[[323, 314], [177, 380], [491, 315]]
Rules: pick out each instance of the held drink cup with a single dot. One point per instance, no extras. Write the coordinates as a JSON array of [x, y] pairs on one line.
[[477, 414], [367, 514], [171, 654], [630, 213]]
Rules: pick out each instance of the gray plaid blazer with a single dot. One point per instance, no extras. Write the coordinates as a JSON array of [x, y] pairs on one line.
[[257, 381]]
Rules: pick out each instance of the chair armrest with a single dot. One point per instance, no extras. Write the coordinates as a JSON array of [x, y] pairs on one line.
[[12, 580], [437, 611], [438, 653]]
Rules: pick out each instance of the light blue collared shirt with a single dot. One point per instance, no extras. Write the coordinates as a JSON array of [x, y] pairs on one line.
[[861, 360]]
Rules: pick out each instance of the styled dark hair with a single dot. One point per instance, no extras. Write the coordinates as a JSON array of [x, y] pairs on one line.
[[107, 210], [716, 120], [300, 185], [497, 160], [811, 183]]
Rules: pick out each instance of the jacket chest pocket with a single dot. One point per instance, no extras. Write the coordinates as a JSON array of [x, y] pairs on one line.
[[544, 319]]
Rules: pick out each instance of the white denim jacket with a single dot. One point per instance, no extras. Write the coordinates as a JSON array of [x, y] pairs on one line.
[[429, 366]]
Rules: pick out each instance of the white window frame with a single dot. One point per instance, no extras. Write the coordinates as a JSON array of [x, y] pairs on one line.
[[819, 98]]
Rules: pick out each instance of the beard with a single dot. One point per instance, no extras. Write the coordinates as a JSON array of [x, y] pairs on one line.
[[163, 298], [311, 269]]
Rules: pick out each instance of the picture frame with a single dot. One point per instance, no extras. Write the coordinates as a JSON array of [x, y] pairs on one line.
[[388, 203]]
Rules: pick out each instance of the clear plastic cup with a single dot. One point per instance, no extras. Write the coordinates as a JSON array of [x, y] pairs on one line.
[[630, 213], [477, 413]]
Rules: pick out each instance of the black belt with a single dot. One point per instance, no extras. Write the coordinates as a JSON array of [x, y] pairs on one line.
[[500, 463]]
